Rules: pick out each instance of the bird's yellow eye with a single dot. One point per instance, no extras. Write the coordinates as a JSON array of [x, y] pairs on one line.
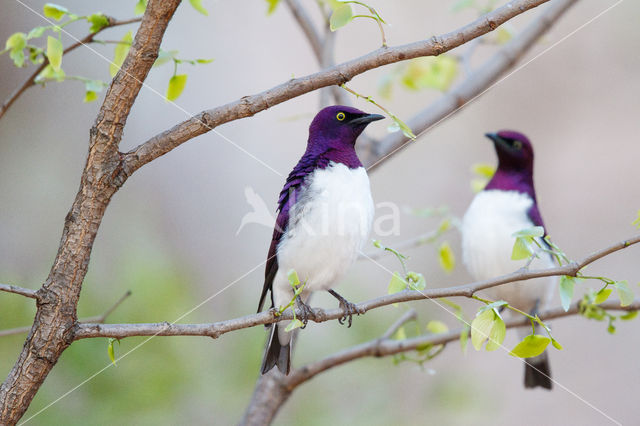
[[340, 116], [517, 144]]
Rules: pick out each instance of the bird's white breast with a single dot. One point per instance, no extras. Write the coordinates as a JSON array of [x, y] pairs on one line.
[[328, 225], [487, 244]]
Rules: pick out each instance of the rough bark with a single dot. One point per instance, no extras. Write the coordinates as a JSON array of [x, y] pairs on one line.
[[55, 320]]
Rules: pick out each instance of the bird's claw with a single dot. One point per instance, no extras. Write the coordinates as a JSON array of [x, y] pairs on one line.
[[349, 309], [304, 311]]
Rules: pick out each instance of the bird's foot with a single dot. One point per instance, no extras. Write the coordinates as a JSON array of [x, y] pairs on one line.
[[304, 311], [348, 308]]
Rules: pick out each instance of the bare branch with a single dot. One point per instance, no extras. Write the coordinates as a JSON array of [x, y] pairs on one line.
[[30, 81], [97, 319], [215, 330], [472, 87], [247, 106], [26, 292], [386, 346], [410, 315]]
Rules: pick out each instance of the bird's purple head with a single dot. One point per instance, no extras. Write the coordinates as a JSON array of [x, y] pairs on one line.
[[339, 126], [514, 150]]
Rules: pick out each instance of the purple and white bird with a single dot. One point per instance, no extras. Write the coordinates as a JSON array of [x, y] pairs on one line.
[[506, 205], [325, 214]]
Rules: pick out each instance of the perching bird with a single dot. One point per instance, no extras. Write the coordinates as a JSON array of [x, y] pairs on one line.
[[507, 205], [325, 214]]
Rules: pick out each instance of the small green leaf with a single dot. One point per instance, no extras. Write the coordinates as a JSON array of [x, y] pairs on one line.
[[531, 346], [556, 345], [36, 32], [566, 291], [637, 221], [534, 231], [401, 334], [98, 21], [498, 333], [629, 315], [296, 323], [48, 73], [494, 305], [16, 41], [602, 295], [54, 11], [481, 328], [197, 5], [141, 6], [446, 257], [35, 55], [120, 53], [165, 56], [205, 61], [430, 73], [90, 96], [611, 328], [416, 281], [521, 249], [340, 17], [437, 327], [273, 4], [396, 284], [54, 52], [293, 278], [377, 243], [400, 125], [464, 338], [111, 350], [624, 293], [176, 86], [484, 170], [503, 35]]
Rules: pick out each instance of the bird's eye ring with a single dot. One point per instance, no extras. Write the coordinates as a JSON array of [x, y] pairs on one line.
[[517, 145], [340, 116]]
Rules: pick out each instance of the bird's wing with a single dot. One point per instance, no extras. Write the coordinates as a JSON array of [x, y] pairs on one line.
[[288, 196], [536, 218]]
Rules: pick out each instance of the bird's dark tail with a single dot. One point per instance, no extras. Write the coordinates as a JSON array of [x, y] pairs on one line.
[[537, 372], [276, 354]]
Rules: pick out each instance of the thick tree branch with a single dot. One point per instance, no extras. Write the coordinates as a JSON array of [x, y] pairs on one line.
[[473, 86], [18, 290], [250, 105], [217, 329], [30, 81], [56, 317], [96, 319]]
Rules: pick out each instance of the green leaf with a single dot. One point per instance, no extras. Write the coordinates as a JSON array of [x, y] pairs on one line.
[[197, 5], [531, 346], [98, 21], [273, 4], [503, 35], [624, 293], [602, 295], [36, 32], [292, 276], [484, 170], [521, 249], [566, 291], [48, 73], [555, 344], [120, 53], [111, 350], [629, 315], [534, 231], [401, 334], [141, 6], [430, 73], [90, 96], [446, 257], [296, 323], [437, 327], [397, 284], [17, 56], [17, 41], [205, 61], [176, 86], [340, 17], [94, 85], [165, 56], [400, 125], [35, 55], [481, 328], [497, 335], [416, 281], [54, 52], [494, 305], [637, 221], [464, 338], [54, 11]]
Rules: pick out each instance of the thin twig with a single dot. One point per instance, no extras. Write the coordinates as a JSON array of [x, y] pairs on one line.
[[408, 316], [27, 292], [95, 319], [30, 81], [215, 330]]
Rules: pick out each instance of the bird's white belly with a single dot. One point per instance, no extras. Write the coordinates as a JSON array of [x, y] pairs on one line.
[[328, 226], [487, 244]]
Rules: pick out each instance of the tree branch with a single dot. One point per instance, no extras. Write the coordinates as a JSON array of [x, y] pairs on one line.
[[30, 81], [217, 329], [26, 292], [97, 319], [247, 106], [472, 87]]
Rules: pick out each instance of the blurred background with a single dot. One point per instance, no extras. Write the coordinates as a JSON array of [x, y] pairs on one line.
[[170, 234]]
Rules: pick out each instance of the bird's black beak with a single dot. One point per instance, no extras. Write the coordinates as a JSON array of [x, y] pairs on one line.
[[366, 119], [497, 140]]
